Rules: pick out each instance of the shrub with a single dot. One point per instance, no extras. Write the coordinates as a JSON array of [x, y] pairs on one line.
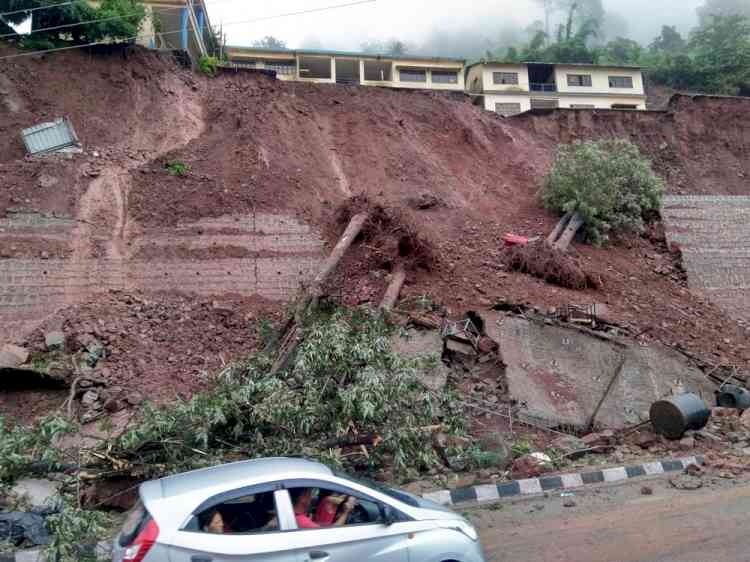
[[608, 183], [75, 533], [208, 65], [177, 168], [20, 446]]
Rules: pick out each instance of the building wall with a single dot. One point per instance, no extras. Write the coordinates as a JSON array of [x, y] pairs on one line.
[[488, 80], [256, 60], [600, 102], [491, 101], [599, 80], [429, 67]]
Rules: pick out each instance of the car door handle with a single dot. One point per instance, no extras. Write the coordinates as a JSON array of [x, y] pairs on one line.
[[319, 555], [201, 559]]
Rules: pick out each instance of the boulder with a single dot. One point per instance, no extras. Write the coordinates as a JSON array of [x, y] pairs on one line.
[[12, 356], [37, 492], [531, 466], [603, 441], [54, 340]]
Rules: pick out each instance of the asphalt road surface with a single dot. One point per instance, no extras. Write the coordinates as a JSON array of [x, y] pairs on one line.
[[622, 524]]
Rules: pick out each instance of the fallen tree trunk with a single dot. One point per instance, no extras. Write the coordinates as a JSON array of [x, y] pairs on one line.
[[394, 289], [347, 239], [563, 235], [555, 234], [293, 335]]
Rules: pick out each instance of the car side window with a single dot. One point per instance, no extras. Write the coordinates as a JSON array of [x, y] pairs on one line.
[[321, 508], [255, 513]]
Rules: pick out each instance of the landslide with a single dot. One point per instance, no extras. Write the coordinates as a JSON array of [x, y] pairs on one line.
[[455, 175]]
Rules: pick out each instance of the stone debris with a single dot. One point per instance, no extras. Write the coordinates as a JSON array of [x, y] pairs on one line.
[[12, 356], [54, 340], [38, 493]]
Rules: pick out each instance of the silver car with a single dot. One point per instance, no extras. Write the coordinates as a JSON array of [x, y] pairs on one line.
[[288, 510]]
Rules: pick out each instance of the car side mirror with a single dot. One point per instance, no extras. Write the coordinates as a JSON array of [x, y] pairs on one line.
[[388, 515]]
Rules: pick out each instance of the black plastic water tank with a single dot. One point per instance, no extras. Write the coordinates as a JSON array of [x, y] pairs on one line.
[[673, 416], [733, 396]]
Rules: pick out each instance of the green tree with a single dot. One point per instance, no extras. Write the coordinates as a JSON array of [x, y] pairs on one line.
[[721, 51], [124, 18], [269, 42], [722, 8], [607, 183], [621, 51], [670, 41]]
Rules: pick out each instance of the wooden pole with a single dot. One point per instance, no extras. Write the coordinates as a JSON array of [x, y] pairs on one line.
[[293, 335], [394, 289]]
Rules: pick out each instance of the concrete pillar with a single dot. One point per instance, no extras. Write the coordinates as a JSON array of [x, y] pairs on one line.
[[333, 69], [184, 29], [361, 71]]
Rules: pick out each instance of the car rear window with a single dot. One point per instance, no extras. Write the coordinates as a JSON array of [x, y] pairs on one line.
[[135, 520]]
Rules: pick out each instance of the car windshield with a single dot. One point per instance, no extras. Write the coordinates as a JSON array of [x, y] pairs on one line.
[[400, 495]]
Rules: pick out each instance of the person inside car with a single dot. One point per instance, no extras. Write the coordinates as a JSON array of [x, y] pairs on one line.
[[212, 521], [302, 500]]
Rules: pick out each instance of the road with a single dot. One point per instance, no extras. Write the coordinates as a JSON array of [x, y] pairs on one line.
[[623, 525]]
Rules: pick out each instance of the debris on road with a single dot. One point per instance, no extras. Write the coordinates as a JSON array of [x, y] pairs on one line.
[[686, 482]]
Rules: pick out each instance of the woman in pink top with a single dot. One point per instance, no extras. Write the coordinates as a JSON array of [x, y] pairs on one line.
[[302, 499]]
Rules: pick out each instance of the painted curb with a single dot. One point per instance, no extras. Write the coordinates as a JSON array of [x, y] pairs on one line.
[[533, 486]]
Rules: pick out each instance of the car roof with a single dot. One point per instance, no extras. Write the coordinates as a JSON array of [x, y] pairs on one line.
[[239, 474]]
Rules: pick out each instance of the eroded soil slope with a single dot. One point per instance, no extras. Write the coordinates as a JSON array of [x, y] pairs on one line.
[[256, 148]]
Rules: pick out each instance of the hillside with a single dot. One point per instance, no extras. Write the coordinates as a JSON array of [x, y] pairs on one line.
[[173, 273]]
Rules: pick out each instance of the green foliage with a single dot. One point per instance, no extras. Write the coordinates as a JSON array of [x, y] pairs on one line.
[[177, 168], [208, 65], [607, 182], [22, 446], [521, 447], [269, 42], [344, 380], [124, 18], [75, 533]]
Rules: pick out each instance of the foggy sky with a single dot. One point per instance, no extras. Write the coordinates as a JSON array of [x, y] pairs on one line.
[[437, 25]]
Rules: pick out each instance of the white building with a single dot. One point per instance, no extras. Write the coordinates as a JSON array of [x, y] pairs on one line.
[[509, 89], [365, 69]]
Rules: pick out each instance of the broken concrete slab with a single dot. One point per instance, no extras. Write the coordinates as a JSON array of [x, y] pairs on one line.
[[424, 345], [37, 492], [564, 376], [12, 356]]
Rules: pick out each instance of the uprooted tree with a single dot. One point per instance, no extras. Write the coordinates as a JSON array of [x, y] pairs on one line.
[[603, 187]]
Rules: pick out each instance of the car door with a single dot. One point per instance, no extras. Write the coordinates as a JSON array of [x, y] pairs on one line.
[[363, 542], [193, 544]]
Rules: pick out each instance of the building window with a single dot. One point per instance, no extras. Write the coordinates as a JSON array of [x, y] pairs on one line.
[[506, 109], [444, 77], [509, 78], [286, 68], [411, 75], [623, 106], [620, 81], [581, 80], [581, 106]]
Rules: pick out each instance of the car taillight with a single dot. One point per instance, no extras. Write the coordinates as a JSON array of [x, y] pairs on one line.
[[140, 546]]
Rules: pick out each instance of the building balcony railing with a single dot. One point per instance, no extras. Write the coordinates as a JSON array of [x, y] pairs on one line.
[[539, 87]]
